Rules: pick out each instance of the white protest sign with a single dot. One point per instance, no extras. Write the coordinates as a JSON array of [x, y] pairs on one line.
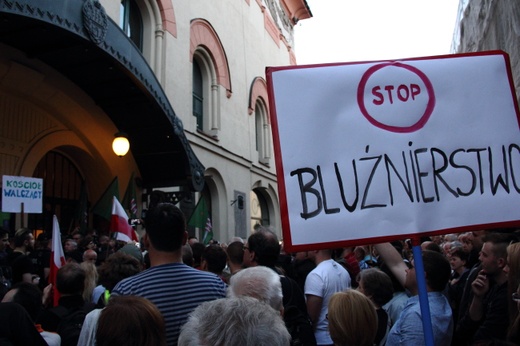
[[18, 190], [382, 150]]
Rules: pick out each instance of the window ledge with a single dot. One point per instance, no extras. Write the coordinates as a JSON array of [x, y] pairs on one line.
[[207, 135], [264, 163]]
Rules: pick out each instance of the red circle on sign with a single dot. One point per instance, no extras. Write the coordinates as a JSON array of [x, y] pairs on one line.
[[392, 128]]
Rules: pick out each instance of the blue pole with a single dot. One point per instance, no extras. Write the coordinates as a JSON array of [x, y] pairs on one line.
[[423, 295]]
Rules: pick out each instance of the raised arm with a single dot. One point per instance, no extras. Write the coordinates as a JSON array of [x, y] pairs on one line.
[[393, 260]]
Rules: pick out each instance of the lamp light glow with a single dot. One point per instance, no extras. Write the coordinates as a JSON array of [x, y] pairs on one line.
[[121, 145]]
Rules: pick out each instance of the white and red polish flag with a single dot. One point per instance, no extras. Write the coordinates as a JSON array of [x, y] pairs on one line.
[[119, 223], [57, 258]]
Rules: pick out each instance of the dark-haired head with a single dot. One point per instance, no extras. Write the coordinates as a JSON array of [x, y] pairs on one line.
[[27, 295], [437, 269], [70, 279], [264, 243], [166, 227], [463, 255]]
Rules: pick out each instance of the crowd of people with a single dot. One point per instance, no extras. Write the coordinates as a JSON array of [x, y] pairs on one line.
[[171, 289]]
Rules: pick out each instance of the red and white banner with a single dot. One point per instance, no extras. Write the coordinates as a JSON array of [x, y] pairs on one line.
[[119, 223], [57, 258]]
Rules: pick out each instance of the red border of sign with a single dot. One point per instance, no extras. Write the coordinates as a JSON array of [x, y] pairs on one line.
[[284, 211]]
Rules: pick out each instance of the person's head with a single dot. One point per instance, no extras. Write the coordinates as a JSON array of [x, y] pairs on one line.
[[70, 279], [438, 239], [235, 253], [70, 245], [238, 239], [24, 238], [465, 239], [493, 256], [134, 251], [77, 236], [476, 239], [512, 270], [42, 241], [87, 242], [192, 240], [437, 270], [376, 285], [262, 248], [187, 255], [513, 260], [214, 259], [258, 282], [301, 256], [103, 240], [90, 256], [74, 256], [197, 250], [4, 239], [320, 255], [117, 267], [352, 319], [27, 295], [360, 252], [91, 279], [165, 228], [131, 321], [454, 245], [458, 259], [431, 245], [234, 321]]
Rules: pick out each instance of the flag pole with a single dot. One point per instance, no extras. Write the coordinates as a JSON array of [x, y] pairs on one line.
[[423, 293], [22, 214]]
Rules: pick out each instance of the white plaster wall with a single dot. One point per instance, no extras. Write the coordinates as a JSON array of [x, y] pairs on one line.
[[490, 25], [249, 49]]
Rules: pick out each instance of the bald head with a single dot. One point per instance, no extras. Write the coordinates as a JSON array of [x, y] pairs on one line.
[[90, 256], [258, 282]]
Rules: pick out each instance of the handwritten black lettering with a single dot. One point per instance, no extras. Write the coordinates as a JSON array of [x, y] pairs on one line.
[[349, 207], [307, 188], [324, 196], [417, 175], [371, 176], [473, 183]]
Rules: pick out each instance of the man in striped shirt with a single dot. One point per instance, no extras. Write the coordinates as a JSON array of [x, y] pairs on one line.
[[175, 288]]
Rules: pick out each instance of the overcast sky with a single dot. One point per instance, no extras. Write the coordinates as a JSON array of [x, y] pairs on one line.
[[361, 30]]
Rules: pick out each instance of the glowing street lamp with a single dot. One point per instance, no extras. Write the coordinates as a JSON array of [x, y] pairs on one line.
[[121, 145]]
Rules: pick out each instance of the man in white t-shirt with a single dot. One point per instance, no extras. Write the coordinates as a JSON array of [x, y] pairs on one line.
[[326, 279]]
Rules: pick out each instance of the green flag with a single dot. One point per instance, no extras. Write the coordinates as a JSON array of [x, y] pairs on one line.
[[200, 215], [200, 218], [130, 199], [208, 232], [103, 206]]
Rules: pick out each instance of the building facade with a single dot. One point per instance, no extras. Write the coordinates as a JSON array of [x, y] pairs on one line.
[[184, 79], [490, 25]]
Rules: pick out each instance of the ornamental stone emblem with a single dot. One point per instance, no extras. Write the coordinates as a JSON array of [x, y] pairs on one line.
[[95, 20]]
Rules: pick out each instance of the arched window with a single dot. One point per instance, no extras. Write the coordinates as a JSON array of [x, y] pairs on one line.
[[258, 100], [198, 95], [131, 22], [205, 94], [208, 57], [259, 210], [262, 132]]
